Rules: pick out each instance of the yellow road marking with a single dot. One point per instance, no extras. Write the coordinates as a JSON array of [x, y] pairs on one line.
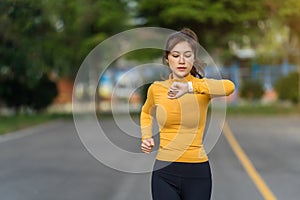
[[245, 161]]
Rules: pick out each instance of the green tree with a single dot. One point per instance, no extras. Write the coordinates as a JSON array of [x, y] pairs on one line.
[[215, 21], [252, 90], [24, 30], [287, 12], [287, 89], [38, 37], [81, 26]]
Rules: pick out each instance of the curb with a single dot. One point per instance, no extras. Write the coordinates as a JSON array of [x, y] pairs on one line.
[[31, 130]]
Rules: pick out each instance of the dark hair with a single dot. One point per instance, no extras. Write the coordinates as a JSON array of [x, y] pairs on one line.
[[186, 35]]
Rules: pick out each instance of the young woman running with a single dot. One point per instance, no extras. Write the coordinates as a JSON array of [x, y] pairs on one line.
[[181, 169]]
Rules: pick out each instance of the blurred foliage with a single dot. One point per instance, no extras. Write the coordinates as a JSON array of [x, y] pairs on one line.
[[144, 92], [144, 54], [271, 27], [251, 90], [23, 65], [40, 37], [261, 109], [43, 36], [272, 48], [286, 87], [216, 22], [81, 25], [24, 32], [285, 16], [18, 95], [43, 94]]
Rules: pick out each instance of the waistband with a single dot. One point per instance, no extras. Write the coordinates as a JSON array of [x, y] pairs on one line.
[[183, 169]]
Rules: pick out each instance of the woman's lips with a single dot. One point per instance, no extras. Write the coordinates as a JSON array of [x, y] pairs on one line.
[[181, 68]]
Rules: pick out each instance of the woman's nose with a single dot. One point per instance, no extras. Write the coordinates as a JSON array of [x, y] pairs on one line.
[[181, 59]]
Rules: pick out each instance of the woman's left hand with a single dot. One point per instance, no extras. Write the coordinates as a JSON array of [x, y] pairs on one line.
[[177, 89]]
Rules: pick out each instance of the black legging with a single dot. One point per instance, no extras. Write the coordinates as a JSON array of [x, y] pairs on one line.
[[181, 181]]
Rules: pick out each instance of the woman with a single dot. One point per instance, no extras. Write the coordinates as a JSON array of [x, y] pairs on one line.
[[181, 170]]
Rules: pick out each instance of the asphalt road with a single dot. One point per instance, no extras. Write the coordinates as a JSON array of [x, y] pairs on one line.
[[50, 162]]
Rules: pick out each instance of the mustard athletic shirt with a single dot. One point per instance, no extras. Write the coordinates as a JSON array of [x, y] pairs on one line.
[[181, 121]]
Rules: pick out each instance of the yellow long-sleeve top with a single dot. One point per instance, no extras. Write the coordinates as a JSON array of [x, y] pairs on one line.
[[181, 121]]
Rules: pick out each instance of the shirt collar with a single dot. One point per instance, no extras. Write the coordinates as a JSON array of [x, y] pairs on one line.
[[188, 78]]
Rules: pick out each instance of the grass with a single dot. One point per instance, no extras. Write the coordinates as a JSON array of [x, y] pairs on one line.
[[16, 122], [246, 109], [258, 109]]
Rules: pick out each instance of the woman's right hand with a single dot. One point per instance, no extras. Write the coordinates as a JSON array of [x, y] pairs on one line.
[[147, 145], [178, 89]]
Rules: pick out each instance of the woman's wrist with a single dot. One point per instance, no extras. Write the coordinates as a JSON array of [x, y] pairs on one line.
[[190, 87]]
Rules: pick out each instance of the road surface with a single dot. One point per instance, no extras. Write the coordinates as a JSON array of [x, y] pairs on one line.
[[50, 162]]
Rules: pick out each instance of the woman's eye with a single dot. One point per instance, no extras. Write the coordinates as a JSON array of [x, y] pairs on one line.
[[175, 56], [188, 55]]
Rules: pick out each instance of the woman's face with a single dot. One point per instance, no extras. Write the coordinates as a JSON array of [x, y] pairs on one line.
[[181, 59]]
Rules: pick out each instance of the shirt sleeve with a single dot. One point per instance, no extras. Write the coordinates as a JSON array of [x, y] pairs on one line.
[[147, 113], [213, 87]]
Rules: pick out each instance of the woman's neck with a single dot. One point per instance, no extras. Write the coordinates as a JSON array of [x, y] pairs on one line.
[[173, 76]]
